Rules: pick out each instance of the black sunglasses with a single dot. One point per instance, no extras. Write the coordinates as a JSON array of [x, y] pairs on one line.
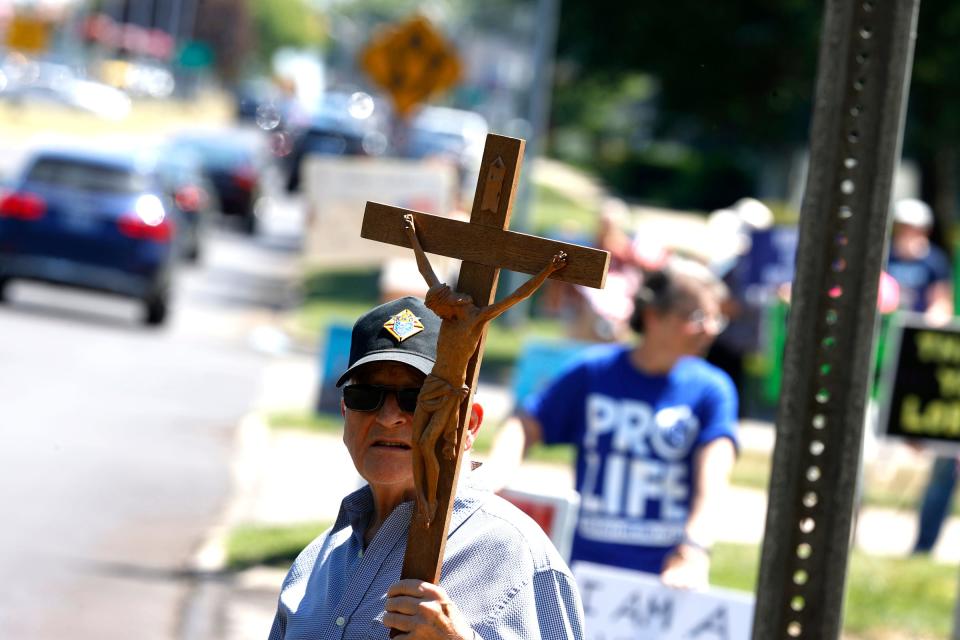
[[369, 397]]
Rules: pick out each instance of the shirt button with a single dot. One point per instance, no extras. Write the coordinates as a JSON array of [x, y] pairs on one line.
[[341, 621], [360, 553]]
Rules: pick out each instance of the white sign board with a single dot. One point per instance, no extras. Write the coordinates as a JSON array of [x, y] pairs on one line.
[[627, 605], [337, 190]]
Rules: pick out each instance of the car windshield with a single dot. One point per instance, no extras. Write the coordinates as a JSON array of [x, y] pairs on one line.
[[86, 176]]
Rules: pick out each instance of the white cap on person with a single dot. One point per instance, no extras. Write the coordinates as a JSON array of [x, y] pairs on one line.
[[913, 212]]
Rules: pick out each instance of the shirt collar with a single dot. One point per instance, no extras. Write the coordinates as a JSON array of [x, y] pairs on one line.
[[357, 508]]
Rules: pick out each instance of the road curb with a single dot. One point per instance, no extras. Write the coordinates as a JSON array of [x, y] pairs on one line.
[[204, 615], [251, 438]]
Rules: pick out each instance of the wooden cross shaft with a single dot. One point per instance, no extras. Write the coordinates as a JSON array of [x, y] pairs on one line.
[[485, 246]]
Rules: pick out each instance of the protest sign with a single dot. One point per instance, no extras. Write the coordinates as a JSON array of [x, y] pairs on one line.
[[921, 391], [620, 604]]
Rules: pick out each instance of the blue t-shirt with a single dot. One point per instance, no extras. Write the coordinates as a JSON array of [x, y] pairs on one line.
[[916, 276], [636, 436]]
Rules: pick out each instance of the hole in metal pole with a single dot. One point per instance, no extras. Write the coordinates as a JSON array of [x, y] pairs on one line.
[[819, 421], [847, 187], [813, 474], [794, 629], [800, 577], [845, 212], [810, 500], [804, 551], [817, 447]]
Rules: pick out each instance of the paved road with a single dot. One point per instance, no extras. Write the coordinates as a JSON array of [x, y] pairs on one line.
[[116, 439]]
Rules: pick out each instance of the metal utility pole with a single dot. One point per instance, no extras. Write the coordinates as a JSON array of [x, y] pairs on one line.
[[863, 76]]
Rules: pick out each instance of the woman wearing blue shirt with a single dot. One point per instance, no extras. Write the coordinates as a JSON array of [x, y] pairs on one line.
[[655, 430]]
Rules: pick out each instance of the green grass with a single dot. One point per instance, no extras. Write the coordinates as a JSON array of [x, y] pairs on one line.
[[886, 597], [276, 545], [333, 296], [553, 212], [898, 489]]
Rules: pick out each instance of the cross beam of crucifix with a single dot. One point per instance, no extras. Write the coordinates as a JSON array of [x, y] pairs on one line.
[[485, 246]]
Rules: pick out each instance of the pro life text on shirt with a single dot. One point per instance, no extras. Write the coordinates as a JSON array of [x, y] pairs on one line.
[[635, 477]]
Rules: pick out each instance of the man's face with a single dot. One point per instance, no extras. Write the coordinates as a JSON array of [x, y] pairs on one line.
[[379, 440], [910, 242]]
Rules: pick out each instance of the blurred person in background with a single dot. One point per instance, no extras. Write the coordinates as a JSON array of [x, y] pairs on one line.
[[734, 228], [604, 314], [922, 271], [501, 578], [920, 268], [655, 426]]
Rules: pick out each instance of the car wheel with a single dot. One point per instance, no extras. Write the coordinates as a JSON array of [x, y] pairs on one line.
[[249, 224], [156, 311], [192, 255], [4, 285]]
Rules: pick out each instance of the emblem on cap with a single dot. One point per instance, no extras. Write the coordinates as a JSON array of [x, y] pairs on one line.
[[403, 325]]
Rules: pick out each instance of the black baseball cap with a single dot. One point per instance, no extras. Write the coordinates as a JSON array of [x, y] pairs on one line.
[[402, 330]]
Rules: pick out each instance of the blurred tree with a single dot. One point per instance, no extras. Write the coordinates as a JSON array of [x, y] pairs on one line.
[[739, 71], [735, 76], [286, 23], [225, 25]]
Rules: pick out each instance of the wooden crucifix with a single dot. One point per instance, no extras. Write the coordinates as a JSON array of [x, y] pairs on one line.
[[484, 245]]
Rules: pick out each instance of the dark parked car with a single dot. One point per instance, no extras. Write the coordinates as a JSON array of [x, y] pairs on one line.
[[89, 220], [191, 197], [235, 163], [345, 124]]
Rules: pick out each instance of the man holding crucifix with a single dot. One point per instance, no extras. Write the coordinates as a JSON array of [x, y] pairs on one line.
[[501, 577]]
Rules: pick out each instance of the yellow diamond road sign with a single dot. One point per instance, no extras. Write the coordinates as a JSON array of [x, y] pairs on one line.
[[411, 61]]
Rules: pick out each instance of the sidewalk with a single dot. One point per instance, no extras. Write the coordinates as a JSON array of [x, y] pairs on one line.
[[289, 477]]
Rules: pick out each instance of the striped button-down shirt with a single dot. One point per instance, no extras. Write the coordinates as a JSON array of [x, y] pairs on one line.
[[499, 568]]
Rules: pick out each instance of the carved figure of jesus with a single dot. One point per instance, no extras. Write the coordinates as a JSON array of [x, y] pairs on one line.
[[438, 405]]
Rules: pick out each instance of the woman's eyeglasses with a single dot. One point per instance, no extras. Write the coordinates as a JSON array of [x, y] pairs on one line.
[[369, 397], [702, 321]]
